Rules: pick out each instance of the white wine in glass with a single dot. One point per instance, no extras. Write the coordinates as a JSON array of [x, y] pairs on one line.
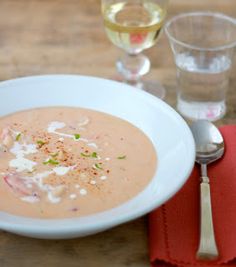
[[134, 25]]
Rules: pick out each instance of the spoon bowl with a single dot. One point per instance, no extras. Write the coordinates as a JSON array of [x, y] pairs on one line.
[[209, 142]]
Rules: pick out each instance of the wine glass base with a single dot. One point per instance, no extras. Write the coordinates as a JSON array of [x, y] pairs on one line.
[[154, 88]]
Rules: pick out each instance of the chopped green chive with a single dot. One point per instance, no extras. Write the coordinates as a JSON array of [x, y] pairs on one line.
[[18, 136], [85, 155], [93, 155], [40, 143], [98, 166], [51, 161], [77, 136], [121, 157]]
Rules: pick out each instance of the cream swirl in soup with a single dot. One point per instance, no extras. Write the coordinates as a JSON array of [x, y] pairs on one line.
[[61, 162]]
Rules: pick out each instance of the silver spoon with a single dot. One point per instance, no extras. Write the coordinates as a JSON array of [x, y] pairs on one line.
[[209, 148]]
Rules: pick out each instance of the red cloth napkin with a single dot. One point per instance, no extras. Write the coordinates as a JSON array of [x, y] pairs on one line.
[[174, 227]]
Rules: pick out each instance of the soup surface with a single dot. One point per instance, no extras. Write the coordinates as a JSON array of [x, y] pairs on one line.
[[61, 162]]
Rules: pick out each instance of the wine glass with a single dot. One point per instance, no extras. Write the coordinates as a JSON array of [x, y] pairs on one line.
[[133, 26]]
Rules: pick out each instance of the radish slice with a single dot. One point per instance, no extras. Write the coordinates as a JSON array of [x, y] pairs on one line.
[[4, 133], [17, 184]]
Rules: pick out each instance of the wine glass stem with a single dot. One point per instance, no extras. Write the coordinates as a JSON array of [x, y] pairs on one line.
[[132, 67]]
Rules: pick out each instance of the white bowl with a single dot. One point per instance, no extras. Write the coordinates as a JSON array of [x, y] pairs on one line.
[[167, 130]]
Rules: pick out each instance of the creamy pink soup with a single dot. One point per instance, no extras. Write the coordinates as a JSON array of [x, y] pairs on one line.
[[64, 162]]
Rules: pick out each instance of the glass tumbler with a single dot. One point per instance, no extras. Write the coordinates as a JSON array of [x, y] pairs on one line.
[[203, 46]]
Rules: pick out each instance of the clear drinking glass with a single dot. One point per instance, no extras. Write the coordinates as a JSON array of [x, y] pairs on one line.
[[133, 26], [203, 45]]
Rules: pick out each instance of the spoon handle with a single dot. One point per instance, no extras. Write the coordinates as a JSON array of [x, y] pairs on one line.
[[207, 247]]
